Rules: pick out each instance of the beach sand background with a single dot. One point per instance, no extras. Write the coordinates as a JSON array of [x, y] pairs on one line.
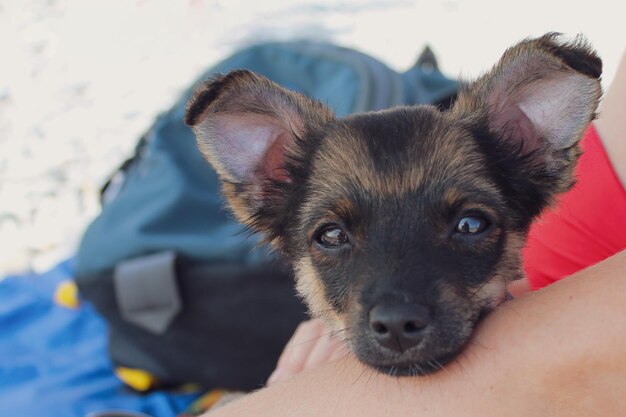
[[81, 80]]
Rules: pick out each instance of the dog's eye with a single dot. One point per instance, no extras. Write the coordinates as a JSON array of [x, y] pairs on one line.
[[332, 236], [471, 225]]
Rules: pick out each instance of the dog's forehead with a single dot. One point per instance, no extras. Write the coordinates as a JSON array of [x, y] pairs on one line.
[[395, 152]]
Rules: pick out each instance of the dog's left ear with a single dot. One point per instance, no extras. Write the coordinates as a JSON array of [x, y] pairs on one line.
[[535, 104], [253, 132]]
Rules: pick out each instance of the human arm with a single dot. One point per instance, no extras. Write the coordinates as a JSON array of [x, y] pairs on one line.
[[528, 358]]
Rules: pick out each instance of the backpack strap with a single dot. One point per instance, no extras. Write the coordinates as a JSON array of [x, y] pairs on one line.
[[146, 291]]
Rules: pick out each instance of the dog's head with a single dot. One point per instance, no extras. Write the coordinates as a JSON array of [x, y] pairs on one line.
[[403, 225]]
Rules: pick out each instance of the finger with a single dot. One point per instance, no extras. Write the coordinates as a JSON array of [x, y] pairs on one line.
[[341, 352], [301, 344], [296, 351], [519, 287], [321, 353]]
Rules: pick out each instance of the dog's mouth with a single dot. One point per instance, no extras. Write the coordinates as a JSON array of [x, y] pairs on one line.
[[418, 363]]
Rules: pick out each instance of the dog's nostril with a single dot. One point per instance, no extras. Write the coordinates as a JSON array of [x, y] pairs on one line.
[[414, 326], [379, 328]]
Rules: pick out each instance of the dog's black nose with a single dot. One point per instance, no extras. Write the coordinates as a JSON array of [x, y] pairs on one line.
[[399, 326]]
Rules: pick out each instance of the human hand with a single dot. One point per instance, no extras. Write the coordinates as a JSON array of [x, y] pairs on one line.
[[312, 344], [519, 287]]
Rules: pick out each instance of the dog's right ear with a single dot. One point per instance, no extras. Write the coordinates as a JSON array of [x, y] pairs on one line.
[[250, 129], [530, 112]]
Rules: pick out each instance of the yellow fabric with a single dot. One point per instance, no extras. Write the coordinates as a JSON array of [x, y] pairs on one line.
[[205, 402], [66, 295], [137, 379]]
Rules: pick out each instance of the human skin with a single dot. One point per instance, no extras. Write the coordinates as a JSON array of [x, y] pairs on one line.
[[554, 352]]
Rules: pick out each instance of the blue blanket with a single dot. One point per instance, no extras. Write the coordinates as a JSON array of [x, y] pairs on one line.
[[54, 361]]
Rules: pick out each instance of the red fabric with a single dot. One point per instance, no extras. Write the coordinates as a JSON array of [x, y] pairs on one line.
[[587, 225]]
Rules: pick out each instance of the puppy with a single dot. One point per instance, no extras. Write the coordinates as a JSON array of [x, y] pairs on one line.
[[404, 225]]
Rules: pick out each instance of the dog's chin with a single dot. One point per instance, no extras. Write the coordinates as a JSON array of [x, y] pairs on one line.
[[415, 369], [414, 362]]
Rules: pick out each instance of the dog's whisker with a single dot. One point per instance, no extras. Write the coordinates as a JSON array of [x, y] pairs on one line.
[[478, 289], [336, 332], [442, 367], [331, 334], [474, 342], [370, 374], [460, 364], [419, 369], [363, 371]]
